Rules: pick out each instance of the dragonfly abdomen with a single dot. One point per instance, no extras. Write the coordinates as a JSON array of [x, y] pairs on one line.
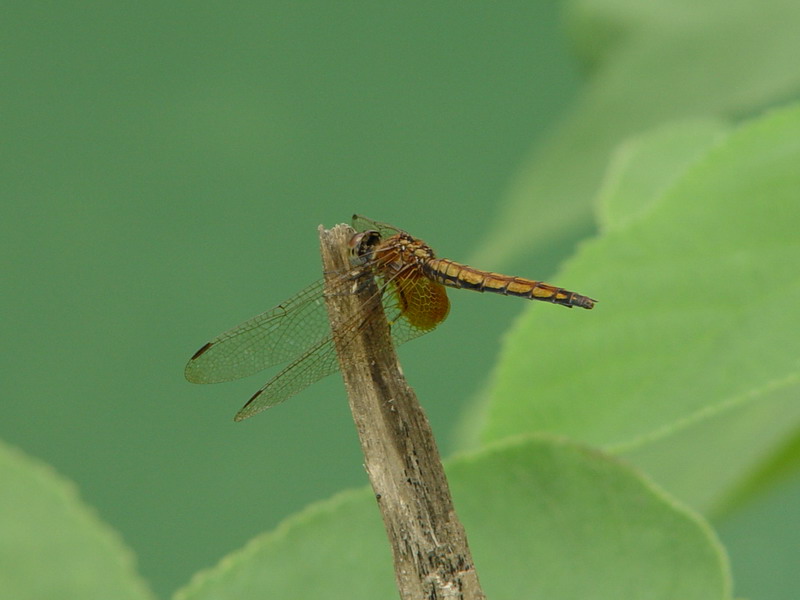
[[453, 274]]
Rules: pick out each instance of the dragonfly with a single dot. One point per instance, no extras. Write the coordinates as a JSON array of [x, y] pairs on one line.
[[412, 284]]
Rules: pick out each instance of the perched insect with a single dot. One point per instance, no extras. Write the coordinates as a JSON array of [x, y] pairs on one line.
[[411, 281]]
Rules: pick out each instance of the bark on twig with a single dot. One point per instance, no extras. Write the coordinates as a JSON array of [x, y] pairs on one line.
[[429, 545]]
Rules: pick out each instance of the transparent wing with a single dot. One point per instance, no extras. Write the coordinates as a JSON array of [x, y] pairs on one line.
[[361, 223], [321, 360], [276, 336], [297, 331]]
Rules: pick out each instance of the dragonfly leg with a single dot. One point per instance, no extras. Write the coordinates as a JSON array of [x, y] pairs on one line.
[[356, 276]]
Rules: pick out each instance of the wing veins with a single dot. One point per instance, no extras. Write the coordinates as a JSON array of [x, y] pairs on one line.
[[301, 373]]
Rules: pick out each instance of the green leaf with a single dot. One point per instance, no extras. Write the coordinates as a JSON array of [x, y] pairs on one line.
[[715, 461], [53, 546], [645, 166], [697, 305], [654, 62], [783, 464], [545, 519]]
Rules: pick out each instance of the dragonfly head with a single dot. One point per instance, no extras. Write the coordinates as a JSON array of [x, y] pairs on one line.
[[362, 247]]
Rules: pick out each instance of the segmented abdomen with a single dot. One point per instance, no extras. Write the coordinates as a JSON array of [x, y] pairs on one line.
[[453, 274]]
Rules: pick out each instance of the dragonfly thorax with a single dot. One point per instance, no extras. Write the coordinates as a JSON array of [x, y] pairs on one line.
[[401, 252]]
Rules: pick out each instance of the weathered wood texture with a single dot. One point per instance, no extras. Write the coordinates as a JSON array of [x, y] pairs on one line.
[[431, 556]]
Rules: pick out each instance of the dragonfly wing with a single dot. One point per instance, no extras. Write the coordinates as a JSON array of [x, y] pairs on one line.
[[361, 223], [413, 306], [278, 335], [319, 362]]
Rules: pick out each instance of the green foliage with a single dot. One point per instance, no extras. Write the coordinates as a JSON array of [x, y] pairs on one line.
[[543, 516], [694, 342], [52, 547], [652, 62], [689, 321], [643, 167]]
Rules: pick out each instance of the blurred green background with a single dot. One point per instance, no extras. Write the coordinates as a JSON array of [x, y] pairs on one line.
[[165, 166], [164, 169]]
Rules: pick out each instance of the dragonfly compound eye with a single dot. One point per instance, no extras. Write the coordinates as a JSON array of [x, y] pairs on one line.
[[362, 246]]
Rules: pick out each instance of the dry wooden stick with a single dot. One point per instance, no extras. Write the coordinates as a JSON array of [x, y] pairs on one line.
[[429, 545]]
